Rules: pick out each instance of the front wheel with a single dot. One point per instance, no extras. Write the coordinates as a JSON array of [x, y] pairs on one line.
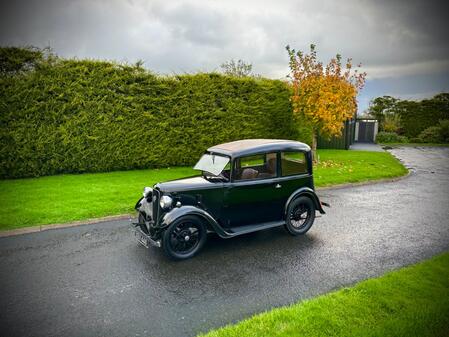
[[300, 216], [184, 238]]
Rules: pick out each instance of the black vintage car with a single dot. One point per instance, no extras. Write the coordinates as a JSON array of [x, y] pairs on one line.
[[244, 186]]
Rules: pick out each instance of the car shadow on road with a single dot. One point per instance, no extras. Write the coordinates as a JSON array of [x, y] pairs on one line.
[[262, 241], [224, 263]]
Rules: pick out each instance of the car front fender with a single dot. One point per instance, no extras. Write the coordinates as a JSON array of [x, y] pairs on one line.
[[138, 204], [179, 212], [305, 191]]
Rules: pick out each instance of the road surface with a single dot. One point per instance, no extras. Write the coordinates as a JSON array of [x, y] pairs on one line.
[[95, 280]]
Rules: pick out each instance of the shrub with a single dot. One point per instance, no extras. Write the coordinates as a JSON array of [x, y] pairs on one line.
[[444, 125], [415, 140], [403, 139], [415, 117], [435, 134], [91, 116], [430, 135], [391, 123], [390, 137]]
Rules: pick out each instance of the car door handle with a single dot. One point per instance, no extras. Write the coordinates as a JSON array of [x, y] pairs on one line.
[[278, 186]]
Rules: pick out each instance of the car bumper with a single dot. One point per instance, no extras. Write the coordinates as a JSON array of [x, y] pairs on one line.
[[143, 238]]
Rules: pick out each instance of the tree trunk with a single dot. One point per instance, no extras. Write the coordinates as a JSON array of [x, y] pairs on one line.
[[314, 141]]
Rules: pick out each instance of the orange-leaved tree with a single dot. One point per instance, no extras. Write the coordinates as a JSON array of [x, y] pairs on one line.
[[324, 95]]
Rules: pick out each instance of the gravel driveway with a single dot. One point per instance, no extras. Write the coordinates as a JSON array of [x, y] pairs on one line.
[[96, 280]]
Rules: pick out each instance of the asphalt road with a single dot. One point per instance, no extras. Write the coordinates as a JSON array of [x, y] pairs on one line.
[[96, 280]]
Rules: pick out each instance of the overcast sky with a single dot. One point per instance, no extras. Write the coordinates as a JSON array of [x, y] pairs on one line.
[[403, 45]]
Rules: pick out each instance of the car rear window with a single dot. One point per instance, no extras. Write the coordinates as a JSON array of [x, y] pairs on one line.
[[293, 163]]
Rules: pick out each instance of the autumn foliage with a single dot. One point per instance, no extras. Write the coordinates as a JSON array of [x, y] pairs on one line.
[[324, 95]]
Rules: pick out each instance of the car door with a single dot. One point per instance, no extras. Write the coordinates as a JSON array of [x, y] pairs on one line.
[[253, 196], [294, 174]]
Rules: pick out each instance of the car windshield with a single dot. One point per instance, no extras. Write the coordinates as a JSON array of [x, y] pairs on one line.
[[212, 163]]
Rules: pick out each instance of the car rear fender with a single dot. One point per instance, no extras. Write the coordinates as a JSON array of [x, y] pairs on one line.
[[305, 191]]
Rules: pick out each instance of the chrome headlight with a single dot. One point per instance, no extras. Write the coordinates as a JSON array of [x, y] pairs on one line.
[[166, 202], [147, 192]]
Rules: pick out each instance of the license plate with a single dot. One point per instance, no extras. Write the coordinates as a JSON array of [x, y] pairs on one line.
[[142, 239]]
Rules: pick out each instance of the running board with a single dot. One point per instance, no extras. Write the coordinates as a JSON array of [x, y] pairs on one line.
[[240, 230]]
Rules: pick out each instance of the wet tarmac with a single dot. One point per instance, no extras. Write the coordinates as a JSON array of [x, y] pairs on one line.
[[95, 280]]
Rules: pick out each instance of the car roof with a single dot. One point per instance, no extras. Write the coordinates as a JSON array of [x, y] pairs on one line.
[[253, 146]]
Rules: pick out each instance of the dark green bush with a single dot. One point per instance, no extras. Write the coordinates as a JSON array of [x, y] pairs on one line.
[[390, 137], [91, 116], [444, 133], [417, 116], [430, 135], [435, 134]]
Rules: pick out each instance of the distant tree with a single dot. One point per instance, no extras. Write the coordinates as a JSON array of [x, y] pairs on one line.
[[324, 95], [385, 109], [237, 69], [443, 100], [409, 117]]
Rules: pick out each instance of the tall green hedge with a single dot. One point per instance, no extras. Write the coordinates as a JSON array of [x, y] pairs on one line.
[[92, 116]]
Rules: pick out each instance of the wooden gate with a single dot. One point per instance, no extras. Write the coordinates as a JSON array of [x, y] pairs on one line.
[[366, 131]]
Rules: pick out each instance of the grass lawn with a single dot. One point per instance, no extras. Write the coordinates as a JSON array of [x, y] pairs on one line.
[[415, 144], [71, 197], [340, 166], [413, 301]]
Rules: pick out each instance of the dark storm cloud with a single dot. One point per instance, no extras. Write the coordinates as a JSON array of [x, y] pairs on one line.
[[425, 18], [391, 38], [419, 25]]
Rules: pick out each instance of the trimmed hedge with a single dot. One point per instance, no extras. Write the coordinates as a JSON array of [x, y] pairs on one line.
[[91, 116]]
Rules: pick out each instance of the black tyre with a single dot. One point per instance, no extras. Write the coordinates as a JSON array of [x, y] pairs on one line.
[[184, 238], [300, 215]]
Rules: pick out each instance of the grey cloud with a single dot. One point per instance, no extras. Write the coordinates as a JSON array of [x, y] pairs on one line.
[[391, 38], [191, 23], [376, 33]]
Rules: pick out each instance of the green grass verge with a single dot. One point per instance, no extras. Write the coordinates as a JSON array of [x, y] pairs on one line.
[[413, 301], [415, 144], [340, 166], [71, 197]]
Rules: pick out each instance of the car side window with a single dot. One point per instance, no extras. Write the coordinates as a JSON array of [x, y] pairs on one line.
[[293, 163], [226, 171], [255, 167]]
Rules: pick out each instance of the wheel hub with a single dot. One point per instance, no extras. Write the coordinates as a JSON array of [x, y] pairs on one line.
[[184, 238], [185, 235], [299, 216]]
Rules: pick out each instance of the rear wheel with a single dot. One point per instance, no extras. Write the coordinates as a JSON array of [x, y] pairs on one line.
[[300, 216], [184, 238]]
